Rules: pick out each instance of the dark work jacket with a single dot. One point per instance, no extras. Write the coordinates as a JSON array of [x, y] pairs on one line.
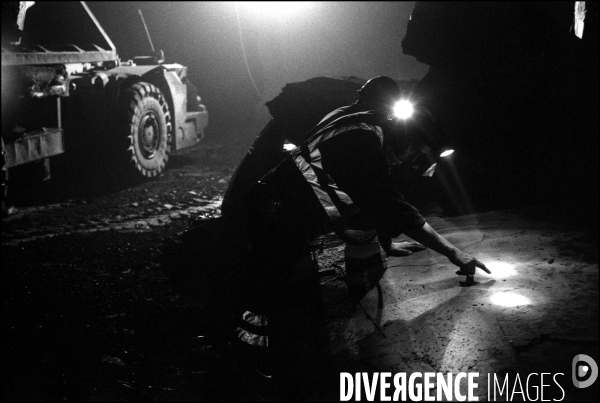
[[353, 159]]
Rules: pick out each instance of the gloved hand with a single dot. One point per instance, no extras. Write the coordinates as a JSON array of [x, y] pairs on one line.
[[467, 265], [403, 248]]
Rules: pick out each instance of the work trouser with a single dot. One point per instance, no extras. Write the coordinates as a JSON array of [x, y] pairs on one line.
[[276, 246], [278, 309]]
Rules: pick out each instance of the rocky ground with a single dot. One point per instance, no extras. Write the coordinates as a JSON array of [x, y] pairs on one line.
[[89, 313]]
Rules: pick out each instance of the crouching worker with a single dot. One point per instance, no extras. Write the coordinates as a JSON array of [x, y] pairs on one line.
[[337, 179]]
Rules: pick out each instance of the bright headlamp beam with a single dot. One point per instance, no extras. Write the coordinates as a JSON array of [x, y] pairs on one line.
[[403, 109], [500, 270], [509, 299], [446, 153]]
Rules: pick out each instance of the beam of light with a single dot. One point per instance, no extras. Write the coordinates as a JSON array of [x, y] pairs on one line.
[[461, 202], [403, 109], [289, 147], [275, 8], [500, 269], [446, 153], [509, 299]]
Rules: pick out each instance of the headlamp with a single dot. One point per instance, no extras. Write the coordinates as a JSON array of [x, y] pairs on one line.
[[403, 109], [446, 153], [289, 147]]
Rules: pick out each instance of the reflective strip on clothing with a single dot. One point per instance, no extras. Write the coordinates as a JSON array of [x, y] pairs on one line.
[[255, 322], [255, 319], [336, 203], [338, 130], [324, 198], [251, 338]]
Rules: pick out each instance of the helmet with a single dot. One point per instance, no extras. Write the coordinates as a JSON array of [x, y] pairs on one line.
[[379, 90]]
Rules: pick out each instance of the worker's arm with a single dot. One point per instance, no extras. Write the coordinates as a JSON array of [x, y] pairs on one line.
[[356, 162], [430, 238]]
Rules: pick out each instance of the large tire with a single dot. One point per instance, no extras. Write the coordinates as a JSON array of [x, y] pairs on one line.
[[149, 129], [4, 182]]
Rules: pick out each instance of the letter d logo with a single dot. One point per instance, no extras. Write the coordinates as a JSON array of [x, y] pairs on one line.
[[581, 367]]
